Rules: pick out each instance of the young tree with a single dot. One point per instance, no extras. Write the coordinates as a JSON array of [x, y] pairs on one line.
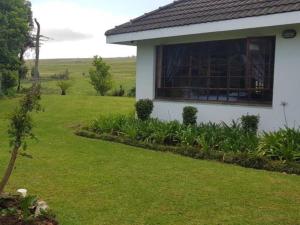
[[100, 76], [64, 86], [15, 27], [20, 128]]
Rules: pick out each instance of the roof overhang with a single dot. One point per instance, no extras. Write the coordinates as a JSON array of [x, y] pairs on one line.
[[279, 19]]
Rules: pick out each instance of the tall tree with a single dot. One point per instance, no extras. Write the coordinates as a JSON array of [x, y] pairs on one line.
[[15, 25]]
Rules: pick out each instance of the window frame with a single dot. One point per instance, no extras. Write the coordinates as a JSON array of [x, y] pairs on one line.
[[246, 75]]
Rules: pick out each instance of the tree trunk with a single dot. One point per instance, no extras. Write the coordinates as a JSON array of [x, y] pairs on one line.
[[9, 169], [20, 69], [37, 51], [1, 84]]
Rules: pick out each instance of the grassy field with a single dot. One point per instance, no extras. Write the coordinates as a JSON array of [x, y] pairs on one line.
[[92, 182], [122, 69]]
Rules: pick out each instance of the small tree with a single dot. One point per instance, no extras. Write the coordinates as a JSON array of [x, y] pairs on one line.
[[100, 76], [64, 86], [20, 128]]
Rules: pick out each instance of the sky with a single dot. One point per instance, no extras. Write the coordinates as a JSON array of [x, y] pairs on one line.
[[76, 27]]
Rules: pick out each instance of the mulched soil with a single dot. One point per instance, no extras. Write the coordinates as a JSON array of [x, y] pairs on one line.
[[12, 220]]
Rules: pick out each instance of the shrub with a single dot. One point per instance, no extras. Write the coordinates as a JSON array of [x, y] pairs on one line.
[[226, 138], [281, 145], [100, 76], [64, 86], [8, 80], [250, 123], [132, 92], [119, 92], [189, 115], [61, 76], [144, 108]]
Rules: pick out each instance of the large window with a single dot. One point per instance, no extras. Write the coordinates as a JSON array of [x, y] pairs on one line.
[[232, 71]]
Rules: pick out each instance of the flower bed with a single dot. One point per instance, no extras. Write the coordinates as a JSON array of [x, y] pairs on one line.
[[16, 210], [222, 142]]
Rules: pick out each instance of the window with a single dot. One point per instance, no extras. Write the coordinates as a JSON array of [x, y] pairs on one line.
[[233, 71]]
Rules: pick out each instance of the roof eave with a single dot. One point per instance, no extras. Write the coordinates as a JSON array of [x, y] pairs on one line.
[[279, 19]]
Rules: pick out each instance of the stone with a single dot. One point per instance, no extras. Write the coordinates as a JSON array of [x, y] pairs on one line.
[[41, 207], [22, 192]]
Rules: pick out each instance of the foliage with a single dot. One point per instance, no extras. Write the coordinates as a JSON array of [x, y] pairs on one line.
[[8, 80], [281, 145], [64, 86], [15, 26], [144, 108], [100, 76], [189, 115], [32, 71], [209, 137], [245, 159], [21, 122], [61, 76], [250, 123], [119, 92], [26, 205], [132, 92], [20, 128], [15, 209]]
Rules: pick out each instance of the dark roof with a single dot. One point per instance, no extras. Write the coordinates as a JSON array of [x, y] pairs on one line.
[[186, 12]]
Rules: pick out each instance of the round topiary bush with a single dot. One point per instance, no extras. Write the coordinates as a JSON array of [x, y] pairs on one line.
[[144, 108], [189, 115], [250, 123]]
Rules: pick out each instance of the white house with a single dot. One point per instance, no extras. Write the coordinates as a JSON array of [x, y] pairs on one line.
[[228, 58]]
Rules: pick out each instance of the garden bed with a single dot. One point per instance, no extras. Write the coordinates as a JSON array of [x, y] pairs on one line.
[[244, 159], [16, 210]]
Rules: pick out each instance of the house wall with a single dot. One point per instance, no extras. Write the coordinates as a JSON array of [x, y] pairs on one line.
[[286, 82]]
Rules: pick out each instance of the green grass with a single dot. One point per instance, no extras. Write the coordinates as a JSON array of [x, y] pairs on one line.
[[122, 69], [92, 182]]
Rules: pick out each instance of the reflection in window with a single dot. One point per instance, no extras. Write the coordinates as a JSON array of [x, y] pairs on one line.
[[227, 71]]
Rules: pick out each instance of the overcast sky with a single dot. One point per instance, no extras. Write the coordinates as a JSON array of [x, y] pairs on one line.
[[77, 27]]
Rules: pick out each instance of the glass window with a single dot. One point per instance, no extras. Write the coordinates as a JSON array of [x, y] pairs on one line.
[[227, 71]]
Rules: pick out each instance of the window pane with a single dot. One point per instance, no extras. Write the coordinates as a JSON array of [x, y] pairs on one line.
[[228, 71]]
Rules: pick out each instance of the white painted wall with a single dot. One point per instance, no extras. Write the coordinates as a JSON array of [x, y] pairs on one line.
[[286, 81]]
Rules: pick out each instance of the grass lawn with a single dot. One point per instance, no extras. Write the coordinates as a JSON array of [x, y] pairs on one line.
[[92, 182]]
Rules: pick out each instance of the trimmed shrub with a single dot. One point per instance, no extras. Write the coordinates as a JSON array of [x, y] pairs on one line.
[[144, 108], [250, 123], [189, 115]]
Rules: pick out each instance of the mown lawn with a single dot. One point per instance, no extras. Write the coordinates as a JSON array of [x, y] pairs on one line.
[[91, 182]]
